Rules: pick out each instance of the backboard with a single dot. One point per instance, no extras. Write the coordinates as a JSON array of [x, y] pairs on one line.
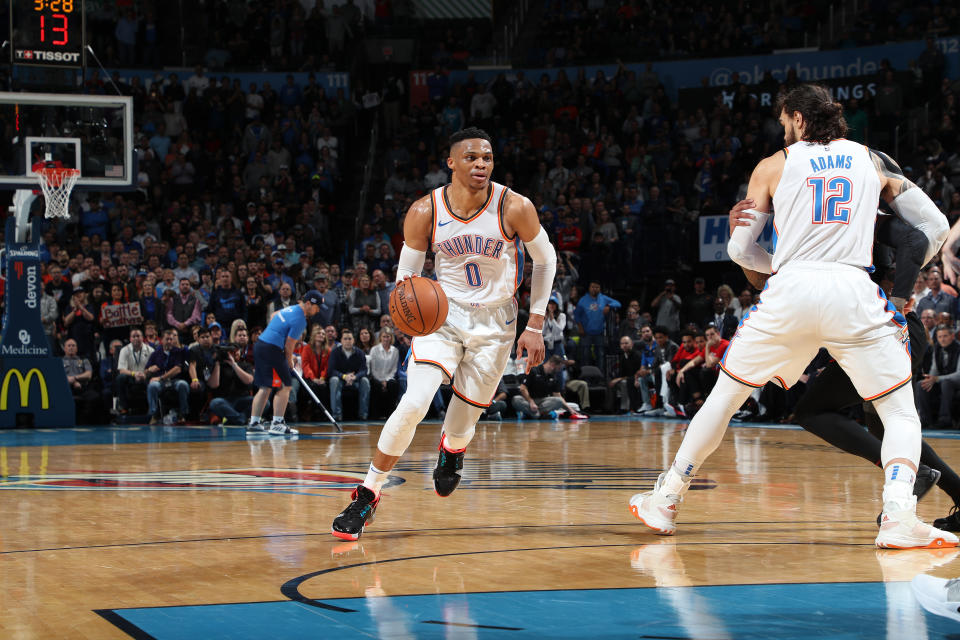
[[91, 133]]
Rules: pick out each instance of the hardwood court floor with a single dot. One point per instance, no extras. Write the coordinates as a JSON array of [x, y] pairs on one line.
[[177, 533]]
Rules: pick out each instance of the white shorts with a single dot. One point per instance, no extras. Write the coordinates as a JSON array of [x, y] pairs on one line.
[[808, 305], [472, 347]]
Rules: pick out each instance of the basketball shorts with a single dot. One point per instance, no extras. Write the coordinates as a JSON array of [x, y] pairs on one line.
[[472, 348], [808, 305], [267, 359]]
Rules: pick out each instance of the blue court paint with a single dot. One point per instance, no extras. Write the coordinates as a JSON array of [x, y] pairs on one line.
[[783, 611]]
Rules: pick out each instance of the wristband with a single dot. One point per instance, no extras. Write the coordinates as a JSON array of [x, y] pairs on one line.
[[540, 331], [196, 380]]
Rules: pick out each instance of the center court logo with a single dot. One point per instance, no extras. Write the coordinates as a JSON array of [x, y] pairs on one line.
[[23, 384], [308, 482]]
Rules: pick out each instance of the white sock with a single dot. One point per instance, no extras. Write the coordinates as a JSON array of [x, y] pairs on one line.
[[375, 479], [677, 479], [277, 419], [255, 420], [685, 468], [898, 486], [900, 472]]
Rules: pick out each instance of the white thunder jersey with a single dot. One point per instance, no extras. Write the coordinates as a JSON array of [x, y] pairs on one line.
[[825, 206], [476, 262]]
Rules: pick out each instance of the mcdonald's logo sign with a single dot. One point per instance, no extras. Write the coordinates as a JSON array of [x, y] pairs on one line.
[[23, 382]]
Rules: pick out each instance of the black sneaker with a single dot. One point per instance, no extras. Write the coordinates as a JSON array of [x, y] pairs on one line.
[[446, 475], [951, 522], [352, 520], [926, 479]]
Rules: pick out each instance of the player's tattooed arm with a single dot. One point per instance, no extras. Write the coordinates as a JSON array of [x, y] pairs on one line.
[[895, 182], [912, 205], [948, 255]]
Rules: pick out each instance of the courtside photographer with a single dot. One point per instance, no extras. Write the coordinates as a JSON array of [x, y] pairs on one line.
[[231, 381]]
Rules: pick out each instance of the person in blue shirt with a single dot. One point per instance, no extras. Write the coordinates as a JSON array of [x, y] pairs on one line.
[[591, 318], [273, 355], [226, 302], [95, 221]]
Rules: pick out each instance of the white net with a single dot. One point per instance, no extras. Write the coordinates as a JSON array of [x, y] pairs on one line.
[[57, 183]]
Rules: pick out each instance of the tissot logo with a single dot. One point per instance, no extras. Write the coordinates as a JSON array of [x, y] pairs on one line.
[[47, 56], [310, 482]]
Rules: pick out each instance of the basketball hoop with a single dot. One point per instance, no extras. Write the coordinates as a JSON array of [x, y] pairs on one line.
[[57, 183]]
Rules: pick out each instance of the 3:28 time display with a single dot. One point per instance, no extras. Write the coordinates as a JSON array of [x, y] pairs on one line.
[[66, 6]]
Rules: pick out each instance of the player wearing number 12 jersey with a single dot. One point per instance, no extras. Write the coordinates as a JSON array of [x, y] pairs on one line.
[[822, 192]]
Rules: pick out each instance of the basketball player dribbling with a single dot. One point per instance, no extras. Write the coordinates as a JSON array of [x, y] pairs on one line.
[[475, 227], [823, 192]]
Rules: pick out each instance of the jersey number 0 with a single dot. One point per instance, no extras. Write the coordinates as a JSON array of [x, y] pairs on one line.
[[829, 197]]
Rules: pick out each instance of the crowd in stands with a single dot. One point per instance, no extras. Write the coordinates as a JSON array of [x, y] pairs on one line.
[[239, 211], [283, 35], [292, 35], [593, 31]]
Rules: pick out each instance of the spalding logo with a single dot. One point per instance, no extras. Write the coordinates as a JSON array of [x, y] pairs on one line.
[[405, 309]]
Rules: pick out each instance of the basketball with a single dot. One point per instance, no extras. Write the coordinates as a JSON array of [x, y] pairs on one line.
[[418, 306]]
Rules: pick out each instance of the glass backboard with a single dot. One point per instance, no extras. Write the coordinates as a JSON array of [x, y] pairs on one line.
[[91, 133]]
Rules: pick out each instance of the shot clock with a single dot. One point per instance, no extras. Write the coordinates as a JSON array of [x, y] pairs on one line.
[[47, 32]]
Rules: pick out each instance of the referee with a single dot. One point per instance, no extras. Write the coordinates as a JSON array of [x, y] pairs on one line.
[[273, 355]]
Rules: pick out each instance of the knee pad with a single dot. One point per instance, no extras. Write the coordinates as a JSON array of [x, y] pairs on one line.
[[423, 380], [460, 423]]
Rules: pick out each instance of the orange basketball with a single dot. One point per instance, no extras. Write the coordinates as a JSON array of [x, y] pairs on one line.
[[418, 306]]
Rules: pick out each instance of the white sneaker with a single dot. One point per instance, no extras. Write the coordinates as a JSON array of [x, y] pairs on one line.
[[646, 406], [900, 528], [656, 510], [939, 596], [669, 411], [256, 429], [281, 429]]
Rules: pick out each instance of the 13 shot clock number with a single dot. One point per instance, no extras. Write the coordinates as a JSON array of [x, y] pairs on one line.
[[47, 32]]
